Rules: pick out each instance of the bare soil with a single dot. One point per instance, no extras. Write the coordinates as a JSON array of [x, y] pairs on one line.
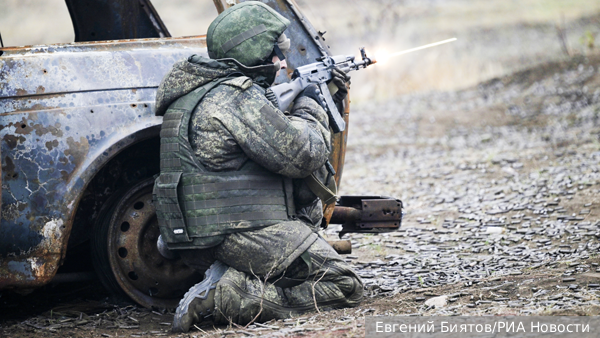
[[492, 121]]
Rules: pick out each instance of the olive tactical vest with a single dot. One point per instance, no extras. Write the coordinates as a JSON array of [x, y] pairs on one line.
[[196, 208]]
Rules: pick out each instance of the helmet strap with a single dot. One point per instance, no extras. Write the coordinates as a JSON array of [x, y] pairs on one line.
[[277, 52]]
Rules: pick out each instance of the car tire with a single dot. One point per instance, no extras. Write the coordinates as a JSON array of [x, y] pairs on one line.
[[125, 255]]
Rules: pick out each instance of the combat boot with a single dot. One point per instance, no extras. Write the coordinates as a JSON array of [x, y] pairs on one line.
[[199, 302]]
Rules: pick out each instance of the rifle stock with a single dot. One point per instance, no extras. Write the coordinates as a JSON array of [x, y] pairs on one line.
[[286, 92]]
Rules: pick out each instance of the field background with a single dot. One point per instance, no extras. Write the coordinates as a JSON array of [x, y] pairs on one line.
[[495, 37]]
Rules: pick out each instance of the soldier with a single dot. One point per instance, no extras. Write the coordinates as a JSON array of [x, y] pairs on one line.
[[232, 194]]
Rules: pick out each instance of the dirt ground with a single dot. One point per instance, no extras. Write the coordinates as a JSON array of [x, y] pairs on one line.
[[444, 154]]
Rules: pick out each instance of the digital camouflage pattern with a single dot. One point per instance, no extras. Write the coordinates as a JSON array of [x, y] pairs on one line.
[[249, 127], [240, 296], [235, 123], [187, 75], [246, 32], [295, 153], [234, 128], [195, 207]]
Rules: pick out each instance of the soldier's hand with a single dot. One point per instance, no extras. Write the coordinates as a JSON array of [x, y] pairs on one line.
[[340, 79], [314, 93]]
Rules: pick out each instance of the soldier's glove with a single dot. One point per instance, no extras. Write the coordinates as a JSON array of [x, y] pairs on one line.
[[339, 79], [313, 92]]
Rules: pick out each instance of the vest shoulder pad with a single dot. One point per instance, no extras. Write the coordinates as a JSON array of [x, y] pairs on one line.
[[242, 82]]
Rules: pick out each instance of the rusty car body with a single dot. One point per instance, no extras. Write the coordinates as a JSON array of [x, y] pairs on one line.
[[80, 146]]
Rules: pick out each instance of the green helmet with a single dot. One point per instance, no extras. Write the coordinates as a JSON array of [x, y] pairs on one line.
[[246, 32]]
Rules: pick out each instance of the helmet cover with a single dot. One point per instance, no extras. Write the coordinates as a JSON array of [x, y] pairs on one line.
[[246, 32]]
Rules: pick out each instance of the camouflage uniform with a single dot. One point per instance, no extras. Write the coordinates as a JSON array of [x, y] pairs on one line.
[[233, 128]]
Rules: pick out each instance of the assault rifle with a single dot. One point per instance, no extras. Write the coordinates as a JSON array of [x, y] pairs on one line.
[[319, 73], [356, 214]]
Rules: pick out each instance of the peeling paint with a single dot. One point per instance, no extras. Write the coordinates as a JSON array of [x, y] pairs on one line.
[[20, 268], [11, 211], [52, 232]]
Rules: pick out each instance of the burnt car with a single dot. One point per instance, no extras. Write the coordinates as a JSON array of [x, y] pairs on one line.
[[80, 148]]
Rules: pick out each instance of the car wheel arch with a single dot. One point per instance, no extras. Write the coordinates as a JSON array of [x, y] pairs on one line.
[[93, 176]]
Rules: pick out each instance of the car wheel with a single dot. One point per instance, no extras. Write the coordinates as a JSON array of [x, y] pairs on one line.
[[125, 255]]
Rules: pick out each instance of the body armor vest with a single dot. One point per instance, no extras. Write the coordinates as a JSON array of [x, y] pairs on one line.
[[195, 207]]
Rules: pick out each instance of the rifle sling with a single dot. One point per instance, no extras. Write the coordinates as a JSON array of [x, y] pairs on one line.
[[326, 194]]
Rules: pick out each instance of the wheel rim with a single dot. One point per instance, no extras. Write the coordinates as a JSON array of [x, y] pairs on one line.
[[142, 272]]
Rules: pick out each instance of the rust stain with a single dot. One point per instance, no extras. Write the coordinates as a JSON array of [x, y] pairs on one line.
[[11, 211], [12, 140], [55, 130], [22, 127], [79, 151], [9, 169], [51, 144], [34, 271], [39, 248], [337, 156], [302, 50], [25, 127], [64, 175]]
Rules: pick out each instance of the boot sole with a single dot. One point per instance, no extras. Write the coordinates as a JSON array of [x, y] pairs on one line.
[[212, 276]]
